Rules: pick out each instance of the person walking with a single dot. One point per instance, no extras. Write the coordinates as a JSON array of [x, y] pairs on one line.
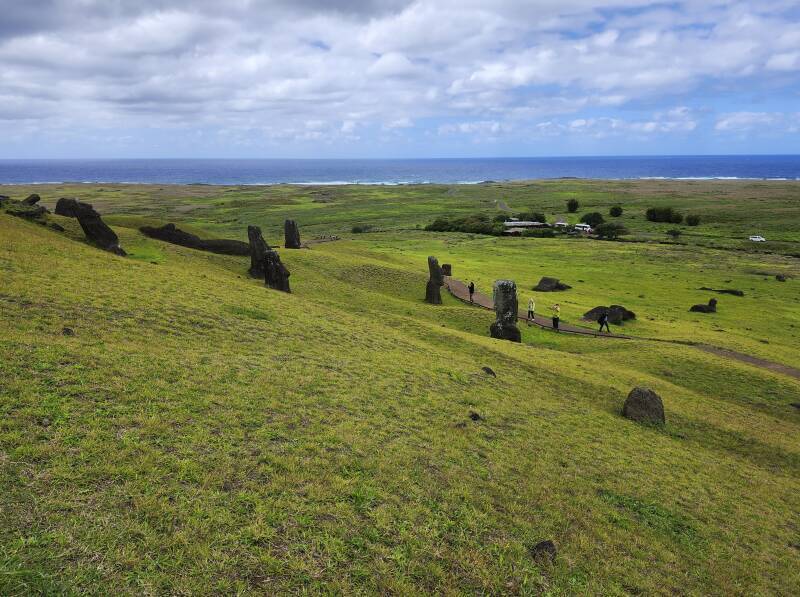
[[471, 289], [603, 321], [556, 315], [531, 309]]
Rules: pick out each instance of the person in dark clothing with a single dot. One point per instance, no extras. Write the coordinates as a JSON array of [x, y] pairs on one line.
[[471, 289], [603, 321]]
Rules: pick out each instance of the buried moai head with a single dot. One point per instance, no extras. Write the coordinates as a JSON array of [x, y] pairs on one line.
[[292, 234], [258, 251], [506, 308], [433, 293], [711, 307], [275, 273]]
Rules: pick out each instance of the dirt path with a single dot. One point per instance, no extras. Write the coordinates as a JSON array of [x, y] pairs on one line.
[[459, 290]]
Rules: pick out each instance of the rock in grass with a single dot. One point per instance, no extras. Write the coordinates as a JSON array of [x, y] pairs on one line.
[[547, 284], [780, 278], [544, 551], [433, 293], [96, 230], [275, 273], [291, 234], [31, 199], [258, 251], [731, 291], [506, 309], [68, 332], [711, 307], [643, 405], [475, 416], [616, 314], [489, 371]]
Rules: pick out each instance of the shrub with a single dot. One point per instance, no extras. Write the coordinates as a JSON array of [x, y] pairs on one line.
[[475, 223], [593, 219], [360, 228], [532, 216], [615, 211], [692, 220], [539, 233], [664, 214], [674, 233], [573, 205], [500, 218], [610, 230]]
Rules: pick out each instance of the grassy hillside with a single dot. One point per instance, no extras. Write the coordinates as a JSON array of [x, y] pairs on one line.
[[201, 434]]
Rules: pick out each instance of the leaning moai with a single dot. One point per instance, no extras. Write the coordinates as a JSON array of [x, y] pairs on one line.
[[258, 251], [432, 292], [506, 310], [292, 234], [275, 273]]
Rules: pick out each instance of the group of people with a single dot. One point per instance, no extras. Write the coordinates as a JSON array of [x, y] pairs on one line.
[[556, 312]]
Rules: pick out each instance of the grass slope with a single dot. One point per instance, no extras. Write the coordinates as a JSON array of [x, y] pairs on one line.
[[201, 434]]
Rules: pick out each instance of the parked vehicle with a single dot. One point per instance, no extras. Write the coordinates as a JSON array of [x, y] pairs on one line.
[[757, 238]]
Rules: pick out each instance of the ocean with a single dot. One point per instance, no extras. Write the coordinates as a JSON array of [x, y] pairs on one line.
[[396, 171]]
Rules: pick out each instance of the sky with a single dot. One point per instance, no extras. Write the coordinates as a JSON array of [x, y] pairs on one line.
[[397, 78]]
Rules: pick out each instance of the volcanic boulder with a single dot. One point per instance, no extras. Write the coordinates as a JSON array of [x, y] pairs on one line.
[[169, 233], [711, 307], [258, 251], [550, 285], [616, 314], [506, 309], [644, 406], [433, 294], [291, 234], [275, 273]]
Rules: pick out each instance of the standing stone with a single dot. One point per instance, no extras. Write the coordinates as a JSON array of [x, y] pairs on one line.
[[506, 309], [95, 229], [435, 281], [644, 406], [447, 269], [292, 234], [275, 273], [258, 251]]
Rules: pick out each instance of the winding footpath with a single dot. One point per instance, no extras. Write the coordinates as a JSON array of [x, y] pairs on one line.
[[459, 290]]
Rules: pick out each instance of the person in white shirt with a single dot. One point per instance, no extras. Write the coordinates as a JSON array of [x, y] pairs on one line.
[[531, 309]]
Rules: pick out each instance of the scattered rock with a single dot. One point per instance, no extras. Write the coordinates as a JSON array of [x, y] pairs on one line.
[[447, 269], [258, 250], [617, 314], [644, 406], [433, 294], [32, 199], [169, 233], [550, 285], [711, 307], [506, 309], [780, 278], [44, 422], [489, 371], [67, 332], [291, 234], [275, 273], [724, 291], [96, 230], [544, 551], [475, 416]]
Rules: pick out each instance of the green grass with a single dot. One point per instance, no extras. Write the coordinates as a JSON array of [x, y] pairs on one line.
[[201, 434]]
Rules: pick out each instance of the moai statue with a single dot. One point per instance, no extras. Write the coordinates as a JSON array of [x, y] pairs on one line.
[[432, 289], [447, 269], [95, 229], [292, 234], [275, 273], [258, 251], [506, 310]]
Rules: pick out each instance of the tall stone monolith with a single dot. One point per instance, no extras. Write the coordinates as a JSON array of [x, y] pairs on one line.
[[291, 234], [275, 273], [258, 251], [506, 309], [433, 294]]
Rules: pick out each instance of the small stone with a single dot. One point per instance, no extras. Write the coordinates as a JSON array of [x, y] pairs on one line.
[[475, 416], [489, 371], [780, 278], [68, 332], [643, 405], [544, 550], [44, 422]]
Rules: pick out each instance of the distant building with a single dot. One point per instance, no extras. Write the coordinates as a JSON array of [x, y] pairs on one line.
[[523, 224], [560, 224], [583, 228]]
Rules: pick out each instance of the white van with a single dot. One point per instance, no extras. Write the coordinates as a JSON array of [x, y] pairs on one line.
[[757, 238]]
